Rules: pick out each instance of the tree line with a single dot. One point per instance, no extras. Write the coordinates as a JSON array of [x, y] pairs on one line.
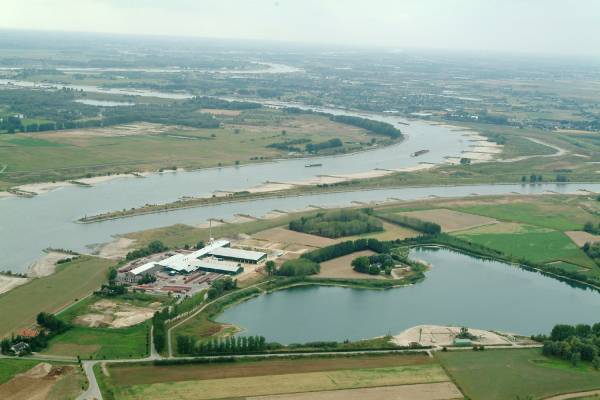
[[429, 228], [334, 224], [574, 343], [228, 345], [378, 127], [156, 246]]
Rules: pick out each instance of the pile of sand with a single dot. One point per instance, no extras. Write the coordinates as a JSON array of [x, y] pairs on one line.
[[435, 335], [10, 282], [39, 371], [110, 314], [46, 265]]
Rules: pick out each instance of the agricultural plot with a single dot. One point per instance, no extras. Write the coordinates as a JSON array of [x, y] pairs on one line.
[[506, 374], [35, 380], [331, 374], [71, 281], [536, 246], [450, 220], [340, 267]]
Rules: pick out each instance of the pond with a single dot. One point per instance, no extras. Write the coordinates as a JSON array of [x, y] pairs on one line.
[[458, 290]]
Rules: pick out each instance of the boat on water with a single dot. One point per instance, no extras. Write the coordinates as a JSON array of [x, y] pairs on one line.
[[313, 165], [419, 153]]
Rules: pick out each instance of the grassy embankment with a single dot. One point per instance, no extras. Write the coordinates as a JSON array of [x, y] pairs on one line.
[[72, 281], [72, 154]]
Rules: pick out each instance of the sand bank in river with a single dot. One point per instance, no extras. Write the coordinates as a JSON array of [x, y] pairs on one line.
[[46, 265], [116, 249], [10, 282]]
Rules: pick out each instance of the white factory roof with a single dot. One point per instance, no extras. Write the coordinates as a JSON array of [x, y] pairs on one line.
[[180, 262], [219, 265], [143, 268], [212, 246], [237, 253]]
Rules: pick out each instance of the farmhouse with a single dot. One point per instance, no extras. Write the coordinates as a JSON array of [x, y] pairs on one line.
[[238, 255]]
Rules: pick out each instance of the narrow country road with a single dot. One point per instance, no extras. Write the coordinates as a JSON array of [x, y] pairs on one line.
[[574, 395]]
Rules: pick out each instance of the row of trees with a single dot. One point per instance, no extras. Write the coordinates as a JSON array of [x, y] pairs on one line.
[[334, 224], [153, 247], [589, 227], [378, 127], [532, 178], [228, 345], [348, 247], [575, 343], [328, 144], [429, 228], [51, 326], [299, 267]]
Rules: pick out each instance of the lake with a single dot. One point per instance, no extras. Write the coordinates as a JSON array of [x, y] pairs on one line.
[[458, 290]]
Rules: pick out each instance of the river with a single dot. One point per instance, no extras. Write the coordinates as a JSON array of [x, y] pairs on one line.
[[459, 290], [29, 225]]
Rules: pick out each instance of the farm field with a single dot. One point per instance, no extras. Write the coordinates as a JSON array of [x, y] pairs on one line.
[[36, 380], [506, 374], [101, 342], [450, 220], [77, 153], [341, 267], [261, 378], [71, 281]]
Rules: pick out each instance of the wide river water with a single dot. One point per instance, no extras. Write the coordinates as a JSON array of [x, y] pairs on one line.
[[29, 225], [459, 290]]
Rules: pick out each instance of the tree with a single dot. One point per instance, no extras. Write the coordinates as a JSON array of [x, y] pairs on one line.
[[270, 267], [465, 161], [112, 274], [561, 332], [575, 358]]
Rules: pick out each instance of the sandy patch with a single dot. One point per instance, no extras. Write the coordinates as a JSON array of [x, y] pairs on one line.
[[424, 391], [137, 129], [116, 249], [341, 267], [217, 111], [34, 384], [6, 194], [46, 265], [282, 235], [270, 187], [376, 173], [435, 335], [10, 282], [44, 187], [450, 220], [580, 238], [420, 167], [111, 314]]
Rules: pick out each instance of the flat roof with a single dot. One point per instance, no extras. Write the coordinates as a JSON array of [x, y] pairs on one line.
[[238, 253], [207, 249], [180, 262], [143, 268], [220, 266]]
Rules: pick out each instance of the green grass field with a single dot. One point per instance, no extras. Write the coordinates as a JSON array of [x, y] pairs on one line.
[[506, 374], [539, 247], [72, 281], [11, 367], [544, 214], [101, 343]]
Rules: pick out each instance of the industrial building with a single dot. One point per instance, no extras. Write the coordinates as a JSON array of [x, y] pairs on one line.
[[136, 274], [221, 267], [238, 255]]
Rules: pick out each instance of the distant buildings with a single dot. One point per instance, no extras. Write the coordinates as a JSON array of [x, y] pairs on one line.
[[217, 257]]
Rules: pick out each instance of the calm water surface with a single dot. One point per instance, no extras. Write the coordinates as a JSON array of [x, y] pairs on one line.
[[458, 290]]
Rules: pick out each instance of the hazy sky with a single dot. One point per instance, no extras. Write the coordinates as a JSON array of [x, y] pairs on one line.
[[539, 26]]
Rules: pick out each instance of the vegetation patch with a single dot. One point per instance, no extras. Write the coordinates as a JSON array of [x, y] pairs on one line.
[[335, 224]]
